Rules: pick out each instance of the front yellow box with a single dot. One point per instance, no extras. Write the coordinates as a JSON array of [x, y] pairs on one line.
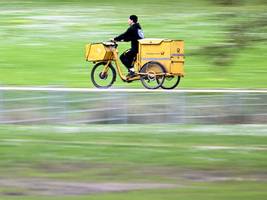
[[98, 52]]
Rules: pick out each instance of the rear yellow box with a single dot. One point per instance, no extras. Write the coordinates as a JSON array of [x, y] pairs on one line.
[[98, 52], [170, 53]]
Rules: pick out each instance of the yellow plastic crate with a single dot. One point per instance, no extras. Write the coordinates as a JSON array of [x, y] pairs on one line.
[[97, 52], [170, 53]]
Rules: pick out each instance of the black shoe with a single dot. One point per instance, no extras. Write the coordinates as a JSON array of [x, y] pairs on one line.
[[131, 74]]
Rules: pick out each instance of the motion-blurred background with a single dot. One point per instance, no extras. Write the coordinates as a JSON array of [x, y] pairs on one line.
[[118, 145]]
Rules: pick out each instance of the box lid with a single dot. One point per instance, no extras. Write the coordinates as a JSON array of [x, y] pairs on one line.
[[152, 41]]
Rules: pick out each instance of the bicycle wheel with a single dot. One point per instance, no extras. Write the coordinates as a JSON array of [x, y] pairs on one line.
[[170, 82], [100, 79], [152, 75]]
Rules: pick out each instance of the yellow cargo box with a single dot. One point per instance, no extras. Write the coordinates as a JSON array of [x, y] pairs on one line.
[[170, 53], [98, 52]]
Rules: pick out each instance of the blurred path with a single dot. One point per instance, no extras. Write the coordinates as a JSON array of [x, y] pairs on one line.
[[59, 105], [59, 89], [57, 187]]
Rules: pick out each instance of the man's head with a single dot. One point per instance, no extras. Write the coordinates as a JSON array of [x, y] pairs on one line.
[[132, 19]]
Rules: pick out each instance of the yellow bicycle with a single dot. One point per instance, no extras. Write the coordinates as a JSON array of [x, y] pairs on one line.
[[159, 63]]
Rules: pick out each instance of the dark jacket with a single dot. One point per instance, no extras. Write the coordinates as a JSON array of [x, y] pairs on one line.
[[133, 34]]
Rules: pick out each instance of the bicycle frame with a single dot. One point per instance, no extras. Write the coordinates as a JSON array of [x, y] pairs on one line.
[[115, 58]]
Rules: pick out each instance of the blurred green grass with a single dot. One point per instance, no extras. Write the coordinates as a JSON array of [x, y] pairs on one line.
[[42, 42], [170, 145], [160, 154]]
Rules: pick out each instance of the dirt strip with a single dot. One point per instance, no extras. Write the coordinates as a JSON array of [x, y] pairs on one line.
[[24, 187]]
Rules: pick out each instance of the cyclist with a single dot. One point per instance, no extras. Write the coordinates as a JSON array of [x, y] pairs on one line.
[[132, 34]]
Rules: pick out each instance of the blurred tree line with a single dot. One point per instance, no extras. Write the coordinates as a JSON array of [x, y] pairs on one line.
[[242, 33]]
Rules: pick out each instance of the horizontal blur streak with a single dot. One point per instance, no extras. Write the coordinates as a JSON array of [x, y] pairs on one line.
[[49, 107]]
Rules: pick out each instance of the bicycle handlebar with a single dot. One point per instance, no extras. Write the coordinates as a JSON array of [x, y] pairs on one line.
[[111, 43]]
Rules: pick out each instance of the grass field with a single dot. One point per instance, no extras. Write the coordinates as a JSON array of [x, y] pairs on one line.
[[42, 42], [199, 162]]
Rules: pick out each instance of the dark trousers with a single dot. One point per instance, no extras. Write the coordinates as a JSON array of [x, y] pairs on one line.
[[128, 58]]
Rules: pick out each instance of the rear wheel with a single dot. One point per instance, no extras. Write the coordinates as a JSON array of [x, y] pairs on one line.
[[103, 79], [171, 82], [152, 75]]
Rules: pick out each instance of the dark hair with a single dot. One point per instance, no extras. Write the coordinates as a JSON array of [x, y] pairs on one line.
[[134, 18]]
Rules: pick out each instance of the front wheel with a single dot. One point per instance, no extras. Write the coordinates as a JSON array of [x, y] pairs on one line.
[[103, 76], [152, 75], [170, 82]]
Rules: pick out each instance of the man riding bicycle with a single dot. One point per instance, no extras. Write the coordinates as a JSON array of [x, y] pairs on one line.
[[133, 34]]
